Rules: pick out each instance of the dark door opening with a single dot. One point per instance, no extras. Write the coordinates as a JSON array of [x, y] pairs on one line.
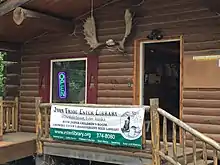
[[162, 79]]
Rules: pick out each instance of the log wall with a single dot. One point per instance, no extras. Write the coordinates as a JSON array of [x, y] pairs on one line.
[[201, 32]]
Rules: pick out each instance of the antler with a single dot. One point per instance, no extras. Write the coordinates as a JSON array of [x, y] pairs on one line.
[[90, 33], [128, 27]]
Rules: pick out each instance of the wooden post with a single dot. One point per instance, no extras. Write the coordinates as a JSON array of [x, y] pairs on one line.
[[155, 130], [39, 129], [144, 133], [1, 118], [16, 114]]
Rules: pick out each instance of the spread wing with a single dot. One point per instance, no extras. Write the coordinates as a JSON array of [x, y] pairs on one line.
[[90, 33]]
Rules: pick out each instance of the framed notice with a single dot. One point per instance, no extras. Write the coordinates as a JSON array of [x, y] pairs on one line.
[[111, 126]]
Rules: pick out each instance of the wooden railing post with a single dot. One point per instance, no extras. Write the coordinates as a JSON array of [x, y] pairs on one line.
[[39, 129], [155, 130], [16, 114], [1, 118]]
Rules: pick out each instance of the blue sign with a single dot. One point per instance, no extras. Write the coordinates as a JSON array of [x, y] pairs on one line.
[[62, 91]]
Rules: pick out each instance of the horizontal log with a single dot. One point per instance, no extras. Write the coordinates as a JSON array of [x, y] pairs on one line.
[[202, 52], [201, 111], [58, 48], [202, 94], [124, 87], [48, 22], [206, 128], [29, 81], [215, 137], [115, 79], [201, 103], [199, 37], [29, 87], [27, 123], [27, 105], [9, 86], [33, 69], [29, 75], [116, 72], [199, 144], [115, 58], [202, 45], [27, 99], [9, 47], [116, 65], [27, 128], [12, 75], [115, 101], [215, 120], [29, 93], [115, 93], [27, 117], [29, 63], [28, 111]]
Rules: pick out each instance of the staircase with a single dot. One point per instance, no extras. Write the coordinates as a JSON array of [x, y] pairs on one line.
[[164, 153], [189, 156]]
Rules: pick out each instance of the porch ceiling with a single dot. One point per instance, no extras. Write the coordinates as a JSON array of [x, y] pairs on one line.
[[61, 9]]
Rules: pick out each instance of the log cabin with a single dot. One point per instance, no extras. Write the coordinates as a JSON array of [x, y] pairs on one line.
[[172, 52]]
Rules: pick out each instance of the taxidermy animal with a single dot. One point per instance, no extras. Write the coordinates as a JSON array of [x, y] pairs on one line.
[[91, 38]]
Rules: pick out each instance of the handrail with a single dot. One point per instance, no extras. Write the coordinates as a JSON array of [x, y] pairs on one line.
[[189, 129], [42, 114], [43, 105]]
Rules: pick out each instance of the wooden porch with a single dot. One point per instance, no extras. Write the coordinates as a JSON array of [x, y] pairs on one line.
[[201, 151], [17, 145], [14, 145]]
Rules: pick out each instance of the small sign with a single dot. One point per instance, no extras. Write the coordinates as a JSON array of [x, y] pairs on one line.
[[111, 126], [62, 91], [206, 58]]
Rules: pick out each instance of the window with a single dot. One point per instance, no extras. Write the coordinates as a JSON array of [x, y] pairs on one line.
[[68, 80]]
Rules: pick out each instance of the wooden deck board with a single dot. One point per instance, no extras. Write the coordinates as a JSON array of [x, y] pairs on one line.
[[16, 146], [97, 153]]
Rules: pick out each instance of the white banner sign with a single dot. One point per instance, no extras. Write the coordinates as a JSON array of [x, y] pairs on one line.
[[114, 126]]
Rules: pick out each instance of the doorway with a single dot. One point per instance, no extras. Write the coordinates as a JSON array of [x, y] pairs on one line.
[[160, 78]]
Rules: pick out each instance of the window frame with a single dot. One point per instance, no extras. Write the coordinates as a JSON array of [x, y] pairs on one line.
[[92, 71], [63, 60]]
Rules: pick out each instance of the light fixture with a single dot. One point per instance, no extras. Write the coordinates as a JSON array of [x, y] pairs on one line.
[[155, 34]]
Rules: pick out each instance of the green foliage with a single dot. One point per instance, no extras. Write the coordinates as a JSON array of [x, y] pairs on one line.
[[2, 71]]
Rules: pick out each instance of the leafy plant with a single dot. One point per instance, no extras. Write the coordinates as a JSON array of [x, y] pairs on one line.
[[2, 72]]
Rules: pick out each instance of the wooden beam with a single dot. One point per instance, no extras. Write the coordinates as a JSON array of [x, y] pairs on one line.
[[20, 15], [9, 47], [10, 5]]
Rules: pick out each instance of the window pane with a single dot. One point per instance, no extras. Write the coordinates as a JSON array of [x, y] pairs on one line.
[[69, 81]]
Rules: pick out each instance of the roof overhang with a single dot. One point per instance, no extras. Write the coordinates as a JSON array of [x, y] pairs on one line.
[[22, 20]]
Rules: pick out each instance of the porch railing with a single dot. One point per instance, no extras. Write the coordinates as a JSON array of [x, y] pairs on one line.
[[159, 153], [43, 120], [8, 116]]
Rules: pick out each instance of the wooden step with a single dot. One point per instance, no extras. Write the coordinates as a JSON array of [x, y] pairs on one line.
[[189, 154], [201, 162]]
